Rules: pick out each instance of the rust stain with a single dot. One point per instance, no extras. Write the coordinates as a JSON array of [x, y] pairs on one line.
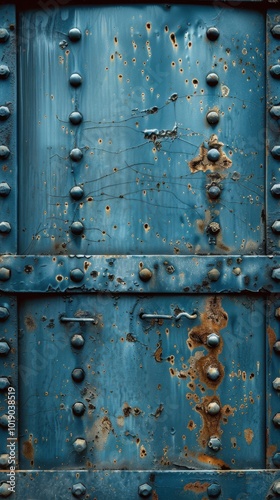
[[214, 462], [158, 354], [128, 410], [143, 452], [203, 223], [100, 431], [28, 450], [155, 495], [249, 435], [271, 450], [213, 319], [196, 487], [271, 337], [211, 423], [30, 323], [201, 162]]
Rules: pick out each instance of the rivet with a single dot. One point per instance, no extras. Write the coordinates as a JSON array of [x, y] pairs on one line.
[[78, 374], [77, 341], [212, 117], [4, 72], [4, 383], [276, 487], [4, 459], [4, 35], [214, 228], [145, 274], [276, 384], [4, 113], [214, 443], [5, 227], [78, 409], [276, 459], [214, 274], [213, 373], [76, 193], [74, 34], [276, 152], [213, 408], [5, 490], [76, 117], [275, 190], [79, 445], [5, 274], [76, 275], [213, 154], [214, 490], [276, 347], [276, 226], [144, 490], [4, 348], [276, 274], [77, 228], [76, 154], [275, 112], [4, 152], [212, 33], [75, 80], [4, 421], [275, 71], [78, 490], [212, 79], [5, 189], [4, 313], [214, 192], [276, 420], [275, 31], [213, 340]]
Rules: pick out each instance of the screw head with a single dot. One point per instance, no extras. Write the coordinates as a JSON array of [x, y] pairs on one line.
[[4, 383], [74, 34], [5, 227], [76, 154], [80, 445], [212, 117], [275, 71], [78, 374], [145, 274], [4, 152], [76, 193], [77, 228], [213, 373], [77, 341], [4, 113], [78, 409], [212, 79], [4, 72], [213, 340], [213, 408], [214, 490], [76, 275], [76, 117], [144, 490], [213, 154], [4, 348], [214, 443], [214, 228], [4, 35], [212, 33], [75, 80], [78, 490]]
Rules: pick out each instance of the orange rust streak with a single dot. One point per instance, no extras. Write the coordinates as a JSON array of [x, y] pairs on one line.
[[215, 462], [196, 487], [271, 337]]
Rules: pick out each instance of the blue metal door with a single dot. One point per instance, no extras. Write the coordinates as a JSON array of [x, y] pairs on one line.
[[139, 267]]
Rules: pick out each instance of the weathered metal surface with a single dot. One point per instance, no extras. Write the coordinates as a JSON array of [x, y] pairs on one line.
[[8, 131], [148, 121], [122, 274], [155, 394]]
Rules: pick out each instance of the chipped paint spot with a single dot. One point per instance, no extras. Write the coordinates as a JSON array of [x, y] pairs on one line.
[[100, 432], [143, 452], [196, 487], [213, 462], [271, 338], [201, 162], [30, 323], [158, 354], [28, 450], [249, 435], [120, 421]]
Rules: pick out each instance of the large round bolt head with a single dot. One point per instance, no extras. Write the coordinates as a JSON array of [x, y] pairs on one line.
[[80, 445], [275, 31], [276, 420], [212, 117], [4, 152], [78, 409], [4, 72], [276, 384], [76, 154], [214, 490], [276, 459], [145, 274], [75, 80], [213, 340], [5, 490], [213, 154], [214, 443], [213, 408], [74, 34], [212, 79], [5, 274], [212, 33], [4, 348], [77, 341], [78, 375], [76, 275], [77, 228], [4, 113], [4, 459], [276, 347], [214, 228], [214, 192], [144, 490], [4, 383], [213, 373], [4, 35], [4, 313], [214, 274], [275, 112], [275, 71], [276, 152], [276, 226], [276, 487], [5, 189], [76, 117], [5, 227], [76, 193], [78, 490]]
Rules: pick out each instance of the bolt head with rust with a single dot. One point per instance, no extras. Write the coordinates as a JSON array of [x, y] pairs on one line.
[[276, 420], [5, 490], [78, 490], [213, 373], [214, 228], [214, 443], [80, 445], [213, 408], [213, 340], [276, 384], [144, 490], [214, 275], [145, 274]]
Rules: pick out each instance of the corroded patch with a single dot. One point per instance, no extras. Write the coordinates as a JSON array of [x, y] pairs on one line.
[[100, 432], [30, 323], [271, 337], [249, 435], [196, 487], [28, 450], [201, 162]]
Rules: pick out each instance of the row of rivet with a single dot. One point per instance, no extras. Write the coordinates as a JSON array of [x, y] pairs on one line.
[[5, 113], [4, 384], [276, 387]]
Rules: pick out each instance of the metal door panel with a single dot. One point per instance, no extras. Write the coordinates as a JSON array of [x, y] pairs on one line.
[[144, 135]]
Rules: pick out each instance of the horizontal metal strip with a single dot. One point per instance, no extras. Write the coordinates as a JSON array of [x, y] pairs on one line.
[[140, 274], [137, 484]]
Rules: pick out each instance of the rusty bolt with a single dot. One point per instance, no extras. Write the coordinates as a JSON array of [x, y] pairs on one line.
[[214, 228], [213, 408], [78, 490], [214, 275], [276, 420], [80, 445], [78, 409], [144, 490], [4, 383], [214, 443], [145, 274], [276, 459], [213, 372], [74, 34], [5, 490], [213, 154], [4, 459], [77, 341], [214, 490], [4, 348], [276, 487], [4, 35], [276, 384], [213, 340], [5, 274]]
